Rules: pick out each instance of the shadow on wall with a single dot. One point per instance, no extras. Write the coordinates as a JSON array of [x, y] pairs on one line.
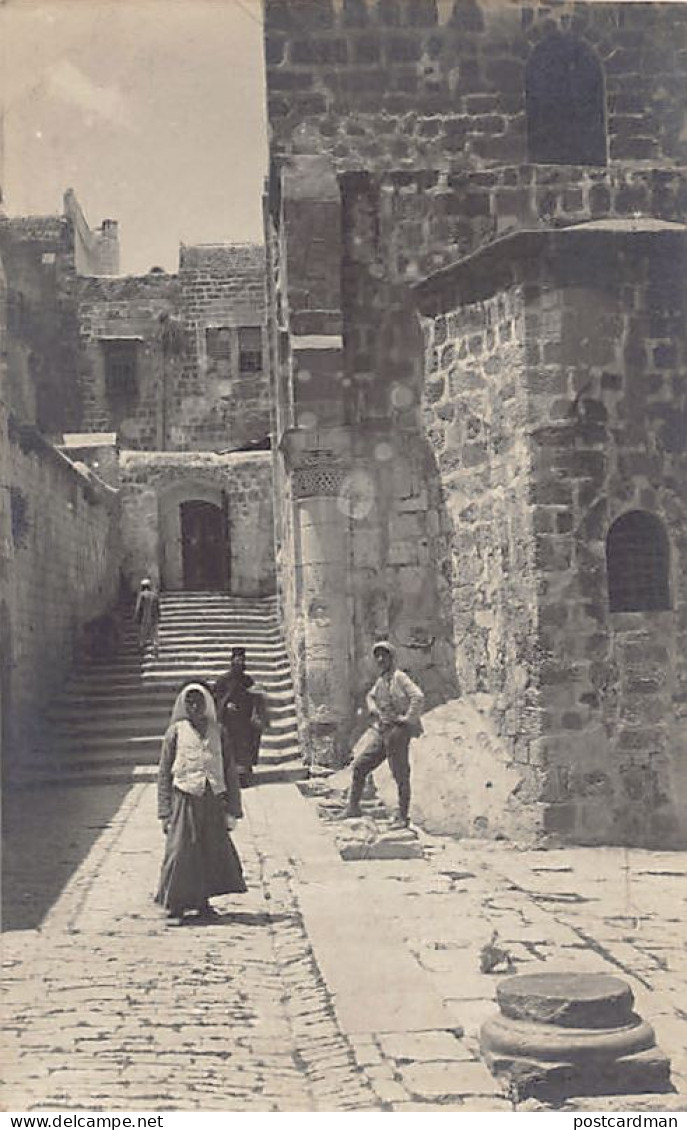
[[401, 549]]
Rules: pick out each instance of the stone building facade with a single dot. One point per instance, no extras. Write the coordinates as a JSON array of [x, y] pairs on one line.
[[44, 256], [176, 366], [42, 334], [134, 428], [178, 362], [163, 493], [222, 399], [59, 523], [475, 224], [127, 370]]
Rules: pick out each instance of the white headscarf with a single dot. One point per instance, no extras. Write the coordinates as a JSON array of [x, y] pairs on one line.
[[192, 767], [180, 713]]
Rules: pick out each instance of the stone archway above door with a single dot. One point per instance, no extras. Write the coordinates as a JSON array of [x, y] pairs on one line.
[[194, 537]]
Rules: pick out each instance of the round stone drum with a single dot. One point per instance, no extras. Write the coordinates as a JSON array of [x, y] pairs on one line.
[[562, 1034]]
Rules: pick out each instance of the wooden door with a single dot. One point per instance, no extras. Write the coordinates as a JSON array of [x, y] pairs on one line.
[[204, 546]]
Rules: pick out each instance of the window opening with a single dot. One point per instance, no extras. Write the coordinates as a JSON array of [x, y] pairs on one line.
[[121, 376], [637, 560], [250, 349], [565, 104], [218, 343]]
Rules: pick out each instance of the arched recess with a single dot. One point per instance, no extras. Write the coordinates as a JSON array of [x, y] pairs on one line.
[[565, 104], [194, 536], [638, 564]]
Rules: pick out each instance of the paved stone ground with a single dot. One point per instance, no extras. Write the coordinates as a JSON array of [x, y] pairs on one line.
[[330, 986]]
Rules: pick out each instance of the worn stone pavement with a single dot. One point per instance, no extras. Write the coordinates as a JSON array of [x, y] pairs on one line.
[[330, 986]]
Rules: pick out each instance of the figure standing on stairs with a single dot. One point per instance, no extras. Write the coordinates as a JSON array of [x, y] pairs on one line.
[[242, 712], [147, 616], [394, 703], [199, 802]]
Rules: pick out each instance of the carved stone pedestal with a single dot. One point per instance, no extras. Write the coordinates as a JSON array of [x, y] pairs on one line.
[[565, 1034]]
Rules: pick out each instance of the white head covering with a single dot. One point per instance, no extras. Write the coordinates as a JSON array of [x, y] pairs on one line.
[[198, 758], [179, 712], [384, 645]]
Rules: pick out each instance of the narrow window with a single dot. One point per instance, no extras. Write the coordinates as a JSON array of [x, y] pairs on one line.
[[121, 375], [250, 349], [637, 562], [218, 347], [565, 104]]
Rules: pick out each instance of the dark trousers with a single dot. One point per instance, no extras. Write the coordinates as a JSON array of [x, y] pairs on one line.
[[374, 747]]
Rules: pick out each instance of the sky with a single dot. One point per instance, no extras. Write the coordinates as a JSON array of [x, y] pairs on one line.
[[151, 110]]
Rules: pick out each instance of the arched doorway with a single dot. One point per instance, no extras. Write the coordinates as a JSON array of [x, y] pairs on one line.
[[194, 536], [205, 560]]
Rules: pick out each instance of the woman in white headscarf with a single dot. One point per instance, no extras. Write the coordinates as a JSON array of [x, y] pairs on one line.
[[198, 803]]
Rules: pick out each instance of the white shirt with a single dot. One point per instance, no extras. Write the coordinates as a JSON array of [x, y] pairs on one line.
[[196, 763]]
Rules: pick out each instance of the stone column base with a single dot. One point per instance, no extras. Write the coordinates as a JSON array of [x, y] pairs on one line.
[[568, 1034]]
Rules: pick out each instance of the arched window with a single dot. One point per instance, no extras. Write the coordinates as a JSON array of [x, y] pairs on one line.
[[637, 562], [565, 103]]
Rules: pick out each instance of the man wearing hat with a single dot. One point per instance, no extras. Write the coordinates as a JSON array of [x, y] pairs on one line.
[[241, 711], [394, 703]]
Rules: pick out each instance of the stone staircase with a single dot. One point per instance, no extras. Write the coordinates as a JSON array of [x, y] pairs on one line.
[[108, 724]]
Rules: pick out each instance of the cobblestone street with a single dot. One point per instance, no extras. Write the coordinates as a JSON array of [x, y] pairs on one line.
[[329, 986]]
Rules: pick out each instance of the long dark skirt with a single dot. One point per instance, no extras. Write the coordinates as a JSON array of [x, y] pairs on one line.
[[242, 740], [200, 859]]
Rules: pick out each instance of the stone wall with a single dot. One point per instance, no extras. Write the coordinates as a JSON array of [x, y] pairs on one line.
[[556, 407], [406, 144], [609, 391], [201, 379], [358, 490], [476, 421], [63, 569], [428, 219], [6, 545], [95, 252], [42, 329], [440, 84], [137, 312], [155, 484], [221, 400]]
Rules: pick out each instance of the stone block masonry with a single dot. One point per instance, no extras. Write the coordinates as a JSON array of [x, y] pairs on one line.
[[556, 409], [441, 84], [63, 571], [220, 399], [415, 141], [179, 362], [42, 337], [129, 393], [155, 484]]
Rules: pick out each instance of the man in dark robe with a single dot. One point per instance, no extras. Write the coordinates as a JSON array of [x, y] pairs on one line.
[[241, 713]]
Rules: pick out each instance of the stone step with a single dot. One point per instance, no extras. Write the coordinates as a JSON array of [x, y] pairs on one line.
[[81, 711], [260, 656], [170, 680], [142, 753], [202, 615], [140, 744], [218, 634], [257, 619], [109, 723], [194, 659], [85, 728]]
